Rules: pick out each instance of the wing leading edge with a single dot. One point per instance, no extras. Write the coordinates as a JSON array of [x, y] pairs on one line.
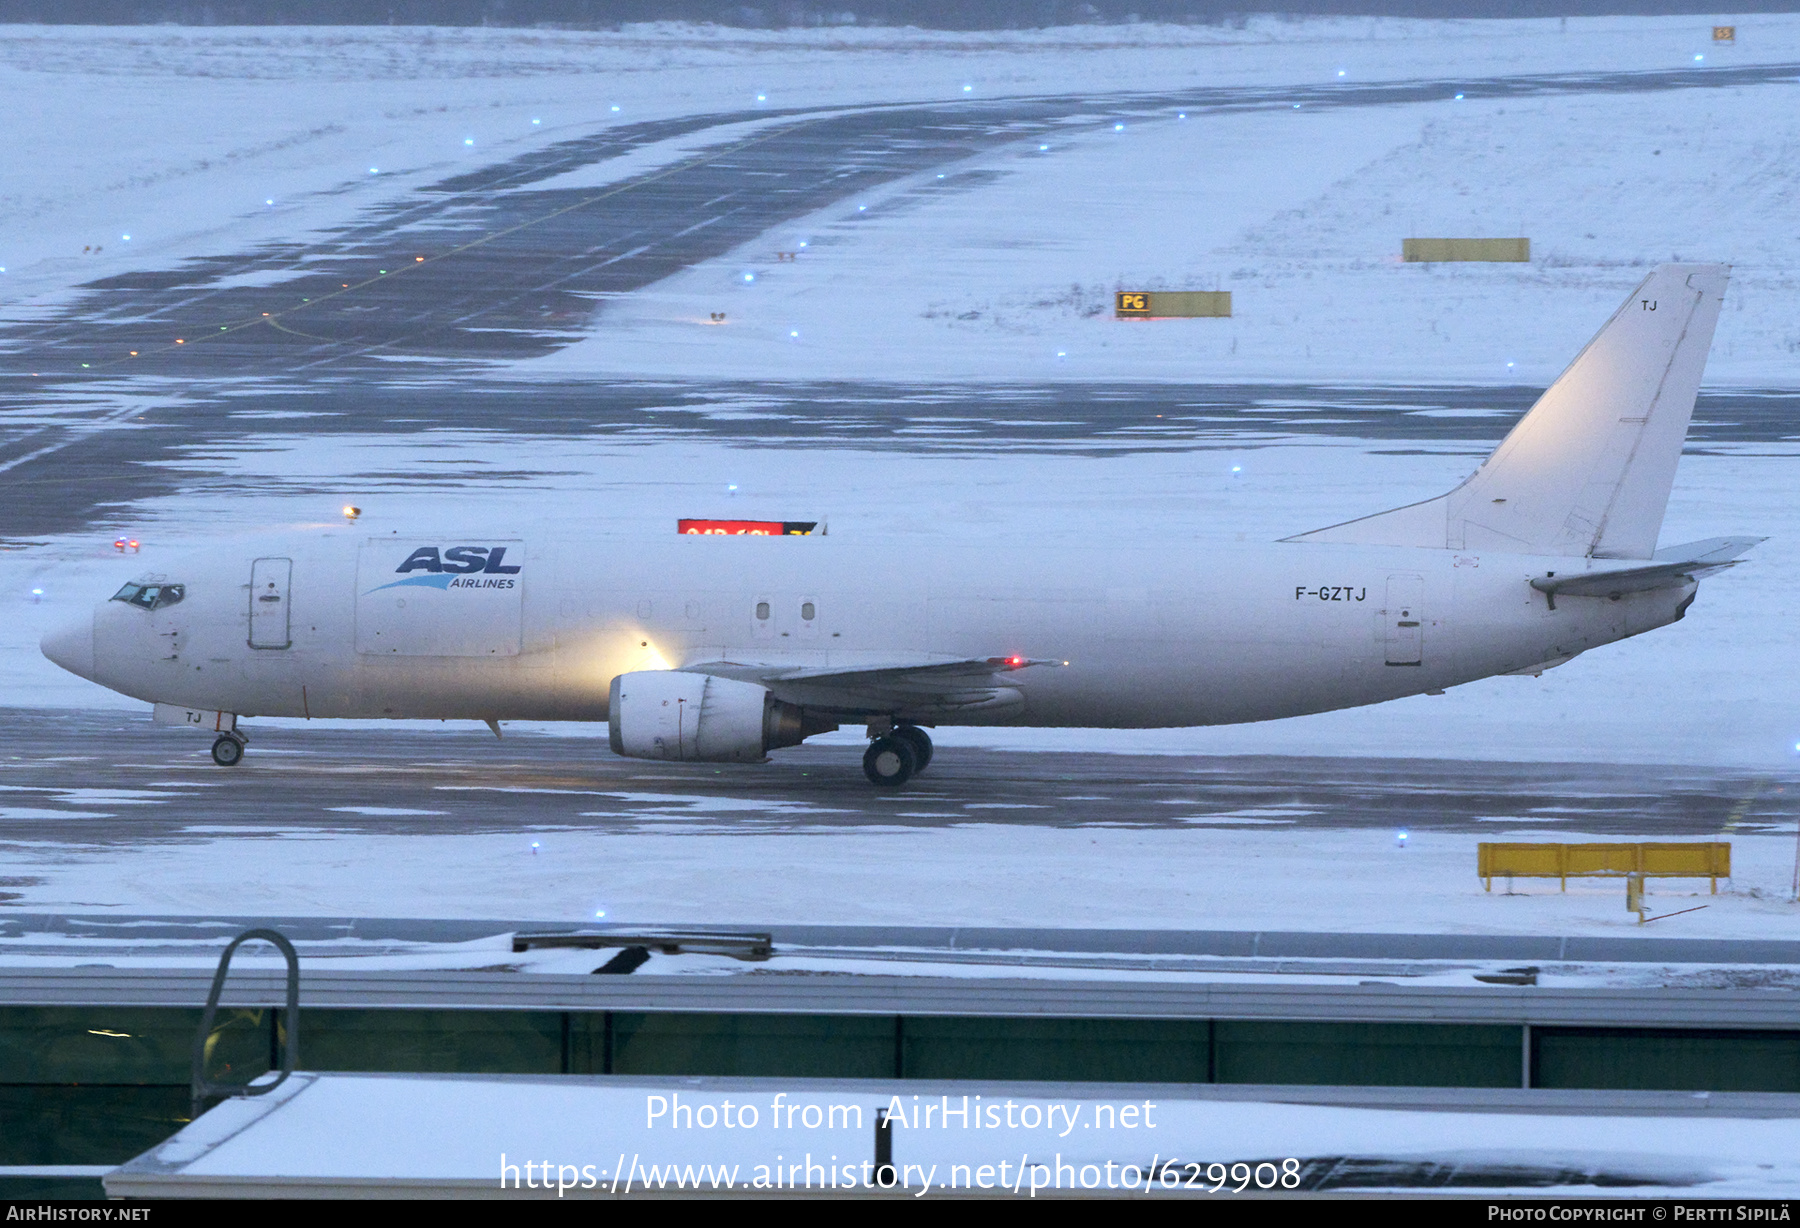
[[914, 688]]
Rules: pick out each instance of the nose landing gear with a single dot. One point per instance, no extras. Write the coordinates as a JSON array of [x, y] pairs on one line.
[[896, 757], [228, 749]]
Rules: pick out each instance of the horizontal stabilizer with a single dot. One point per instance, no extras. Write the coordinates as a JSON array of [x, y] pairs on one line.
[[1587, 472], [1675, 565]]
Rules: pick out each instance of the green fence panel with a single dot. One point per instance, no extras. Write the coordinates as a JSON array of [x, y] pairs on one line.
[[51, 1189], [1666, 1060], [823, 1046], [87, 1125], [1368, 1054], [432, 1041], [105, 1044], [1073, 1050]]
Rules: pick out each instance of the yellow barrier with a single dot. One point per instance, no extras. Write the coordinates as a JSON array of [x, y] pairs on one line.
[[1565, 861], [1431, 251], [1171, 304]]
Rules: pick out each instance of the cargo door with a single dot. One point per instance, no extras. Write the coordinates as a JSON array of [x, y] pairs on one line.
[[1403, 620], [269, 583]]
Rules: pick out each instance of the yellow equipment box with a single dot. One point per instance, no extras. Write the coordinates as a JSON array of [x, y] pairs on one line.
[[1565, 861]]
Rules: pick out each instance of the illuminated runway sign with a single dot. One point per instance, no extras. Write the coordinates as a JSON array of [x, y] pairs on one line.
[[1171, 304], [747, 528]]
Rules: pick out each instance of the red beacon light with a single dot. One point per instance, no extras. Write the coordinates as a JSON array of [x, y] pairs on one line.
[[125, 545]]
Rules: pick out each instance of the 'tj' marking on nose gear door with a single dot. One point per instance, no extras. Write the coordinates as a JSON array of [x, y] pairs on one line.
[[1403, 620]]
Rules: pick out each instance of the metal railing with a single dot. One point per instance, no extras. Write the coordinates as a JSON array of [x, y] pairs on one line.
[[203, 1089]]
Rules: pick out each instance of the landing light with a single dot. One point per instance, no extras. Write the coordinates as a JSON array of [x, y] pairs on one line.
[[351, 513]]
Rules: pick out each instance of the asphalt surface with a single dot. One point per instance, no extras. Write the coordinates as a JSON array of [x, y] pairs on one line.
[[393, 320], [114, 779]]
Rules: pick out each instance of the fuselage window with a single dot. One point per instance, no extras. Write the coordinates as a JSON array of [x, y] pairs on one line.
[[762, 611], [151, 596], [807, 611]]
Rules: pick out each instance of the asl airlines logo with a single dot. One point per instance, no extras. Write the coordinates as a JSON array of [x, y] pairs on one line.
[[459, 567]]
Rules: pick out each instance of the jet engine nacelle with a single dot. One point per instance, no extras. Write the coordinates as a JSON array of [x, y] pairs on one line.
[[669, 714]]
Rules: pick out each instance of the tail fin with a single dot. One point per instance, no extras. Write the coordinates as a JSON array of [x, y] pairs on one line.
[[1589, 469]]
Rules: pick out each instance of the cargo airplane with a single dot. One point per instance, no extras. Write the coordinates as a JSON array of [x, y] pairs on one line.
[[722, 648]]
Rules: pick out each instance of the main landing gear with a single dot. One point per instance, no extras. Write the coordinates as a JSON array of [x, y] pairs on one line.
[[895, 757], [228, 749]]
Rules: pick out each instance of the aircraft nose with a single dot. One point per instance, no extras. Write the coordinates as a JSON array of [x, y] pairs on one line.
[[72, 646]]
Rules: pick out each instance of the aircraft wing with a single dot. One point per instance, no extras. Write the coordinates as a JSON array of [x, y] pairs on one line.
[[913, 687], [1668, 567]]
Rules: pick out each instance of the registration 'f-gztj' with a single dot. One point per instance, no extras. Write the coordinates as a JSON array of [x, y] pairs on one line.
[[724, 648]]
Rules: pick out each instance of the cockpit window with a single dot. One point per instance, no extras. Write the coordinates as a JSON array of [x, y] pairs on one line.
[[151, 596]]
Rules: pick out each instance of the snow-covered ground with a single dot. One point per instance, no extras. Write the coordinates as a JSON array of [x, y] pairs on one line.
[[1299, 214], [1269, 876], [205, 142]]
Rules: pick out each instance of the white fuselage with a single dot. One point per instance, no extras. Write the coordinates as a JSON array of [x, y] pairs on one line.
[[1153, 633]]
